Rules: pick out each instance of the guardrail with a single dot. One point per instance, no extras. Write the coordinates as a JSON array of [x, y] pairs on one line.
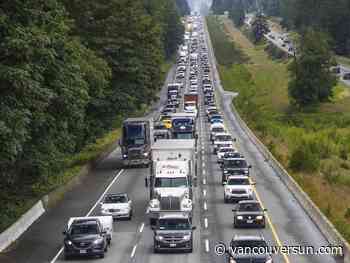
[[327, 229]]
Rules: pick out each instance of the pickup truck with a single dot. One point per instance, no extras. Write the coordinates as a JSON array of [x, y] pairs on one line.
[[88, 236]]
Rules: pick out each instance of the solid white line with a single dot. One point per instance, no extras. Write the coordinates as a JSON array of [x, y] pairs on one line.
[[207, 245], [57, 255], [142, 226], [92, 209], [103, 194], [205, 206], [204, 192], [133, 251], [206, 222]]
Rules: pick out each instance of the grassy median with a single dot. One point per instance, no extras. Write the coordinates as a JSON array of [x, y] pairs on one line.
[[313, 145]]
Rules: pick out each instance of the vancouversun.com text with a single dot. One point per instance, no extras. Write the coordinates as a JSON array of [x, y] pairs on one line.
[[221, 249]]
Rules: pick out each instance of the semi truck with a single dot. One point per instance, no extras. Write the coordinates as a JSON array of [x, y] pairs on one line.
[[175, 150], [137, 139], [190, 97], [170, 186], [183, 126]]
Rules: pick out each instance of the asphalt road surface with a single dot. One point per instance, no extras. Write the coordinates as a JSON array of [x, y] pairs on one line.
[[133, 240]]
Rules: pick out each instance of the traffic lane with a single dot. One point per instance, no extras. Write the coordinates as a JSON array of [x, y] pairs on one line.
[[292, 224], [41, 241], [221, 213], [302, 231], [144, 250], [131, 181]]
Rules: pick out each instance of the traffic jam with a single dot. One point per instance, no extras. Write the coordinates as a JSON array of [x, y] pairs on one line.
[[167, 146]]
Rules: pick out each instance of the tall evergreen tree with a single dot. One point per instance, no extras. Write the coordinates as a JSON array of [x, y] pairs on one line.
[[312, 81]]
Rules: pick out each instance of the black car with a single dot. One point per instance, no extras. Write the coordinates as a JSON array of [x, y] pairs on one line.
[[249, 214], [85, 237], [245, 249], [234, 166]]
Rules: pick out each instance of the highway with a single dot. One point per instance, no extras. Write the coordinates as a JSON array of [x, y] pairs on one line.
[[133, 240], [274, 38]]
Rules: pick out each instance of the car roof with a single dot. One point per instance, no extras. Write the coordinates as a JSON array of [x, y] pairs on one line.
[[222, 134], [248, 237], [249, 202], [237, 177], [234, 158], [117, 194]]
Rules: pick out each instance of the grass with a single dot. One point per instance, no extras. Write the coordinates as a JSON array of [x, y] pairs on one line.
[[320, 134], [343, 60]]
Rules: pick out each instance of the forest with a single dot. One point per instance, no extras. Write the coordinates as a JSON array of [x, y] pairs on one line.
[[70, 71]]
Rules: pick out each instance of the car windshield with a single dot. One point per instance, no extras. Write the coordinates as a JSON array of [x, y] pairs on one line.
[[171, 182], [218, 129], [251, 207], [182, 122], [174, 224], [248, 243], [236, 163], [236, 181], [159, 126], [223, 138], [84, 229], [226, 150], [112, 199], [134, 134], [184, 136]]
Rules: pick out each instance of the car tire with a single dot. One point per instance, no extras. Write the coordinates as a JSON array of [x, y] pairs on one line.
[[155, 250], [130, 215], [66, 257], [225, 200], [102, 255]]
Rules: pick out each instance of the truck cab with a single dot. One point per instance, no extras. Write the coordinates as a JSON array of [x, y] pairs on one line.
[[173, 231], [136, 141], [170, 188], [183, 126]]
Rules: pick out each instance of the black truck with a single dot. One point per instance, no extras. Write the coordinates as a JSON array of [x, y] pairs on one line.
[[136, 141]]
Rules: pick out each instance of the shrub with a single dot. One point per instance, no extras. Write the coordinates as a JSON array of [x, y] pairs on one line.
[[304, 158]]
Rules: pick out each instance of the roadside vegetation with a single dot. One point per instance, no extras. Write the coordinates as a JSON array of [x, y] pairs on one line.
[[70, 71], [312, 143]]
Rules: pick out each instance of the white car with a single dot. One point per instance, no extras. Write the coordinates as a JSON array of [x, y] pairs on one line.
[[222, 151], [216, 128], [222, 140], [117, 206], [238, 188]]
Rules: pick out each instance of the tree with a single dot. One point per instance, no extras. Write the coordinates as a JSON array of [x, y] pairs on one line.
[[183, 7], [312, 81], [260, 27], [45, 88], [237, 12]]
